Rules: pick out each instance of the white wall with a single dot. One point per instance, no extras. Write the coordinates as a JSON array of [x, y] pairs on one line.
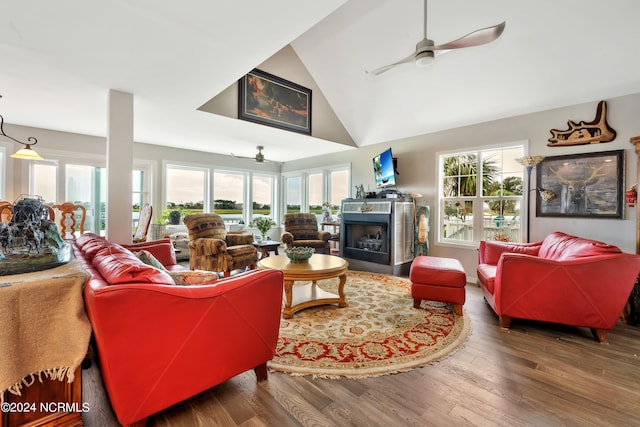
[[417, 166]]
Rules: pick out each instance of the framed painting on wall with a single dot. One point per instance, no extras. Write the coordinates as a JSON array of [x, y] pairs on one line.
[[266, 99], [581, 185]]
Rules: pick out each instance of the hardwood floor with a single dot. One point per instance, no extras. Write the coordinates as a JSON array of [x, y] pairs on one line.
[[534, 375]]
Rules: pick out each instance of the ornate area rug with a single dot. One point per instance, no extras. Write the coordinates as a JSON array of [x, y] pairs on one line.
[[379, 332]]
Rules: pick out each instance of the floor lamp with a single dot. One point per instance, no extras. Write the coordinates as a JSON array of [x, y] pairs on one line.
[[529, 162]]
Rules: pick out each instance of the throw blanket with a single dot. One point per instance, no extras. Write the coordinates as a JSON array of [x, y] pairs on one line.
[[45, 330]]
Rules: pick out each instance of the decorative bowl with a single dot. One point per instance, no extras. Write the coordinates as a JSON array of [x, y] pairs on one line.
[[299, 254]]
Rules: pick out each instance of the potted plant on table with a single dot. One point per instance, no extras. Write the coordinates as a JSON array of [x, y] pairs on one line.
[[174, 217], [263, 224]]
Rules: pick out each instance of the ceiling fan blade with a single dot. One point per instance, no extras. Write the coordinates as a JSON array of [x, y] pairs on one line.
[[242, 157], [377, 71], [475, 38]]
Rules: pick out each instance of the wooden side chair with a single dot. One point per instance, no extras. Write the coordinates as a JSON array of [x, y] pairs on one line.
[[146, 211], [51, 213], [6, 212], [66, 219]]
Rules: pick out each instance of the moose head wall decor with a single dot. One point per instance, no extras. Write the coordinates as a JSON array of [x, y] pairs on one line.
[[585, 133]]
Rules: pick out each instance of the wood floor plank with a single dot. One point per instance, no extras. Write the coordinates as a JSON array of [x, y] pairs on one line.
[[288, 395], [536, 374]]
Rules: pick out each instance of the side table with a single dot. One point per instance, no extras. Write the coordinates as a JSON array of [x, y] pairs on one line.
[[335, 236], [267, 246]]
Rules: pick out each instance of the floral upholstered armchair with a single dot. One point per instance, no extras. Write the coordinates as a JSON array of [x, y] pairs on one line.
[[301, 229], [213, 248]]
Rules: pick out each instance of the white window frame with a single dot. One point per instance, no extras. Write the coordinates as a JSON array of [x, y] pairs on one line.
[[247, 203], [149, 171], [323, 182], [478, 199], [247, 191], [207, 204], [274, 195], [283, 198], [329, 189], [60, 178], [304, 182]]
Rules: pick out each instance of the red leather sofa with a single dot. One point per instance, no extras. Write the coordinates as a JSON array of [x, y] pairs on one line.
[[159, 343], [562, 279]]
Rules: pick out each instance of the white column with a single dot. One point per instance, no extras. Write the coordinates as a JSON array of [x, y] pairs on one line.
[[119, 166]]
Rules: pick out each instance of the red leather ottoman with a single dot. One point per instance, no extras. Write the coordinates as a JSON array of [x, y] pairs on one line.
[[438, 279]]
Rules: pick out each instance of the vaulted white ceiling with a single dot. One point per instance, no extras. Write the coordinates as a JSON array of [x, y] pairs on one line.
[[59, 59]]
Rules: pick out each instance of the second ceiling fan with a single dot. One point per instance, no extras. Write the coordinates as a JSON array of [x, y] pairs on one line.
[[425, 48], [259, 157]]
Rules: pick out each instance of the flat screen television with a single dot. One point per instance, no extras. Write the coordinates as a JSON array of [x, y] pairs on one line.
[[383, 169]]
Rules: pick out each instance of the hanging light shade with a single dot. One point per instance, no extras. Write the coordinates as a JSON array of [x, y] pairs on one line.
[[530, 161], [26, 153]]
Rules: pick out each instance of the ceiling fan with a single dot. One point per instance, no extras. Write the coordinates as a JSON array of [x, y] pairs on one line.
[[259, 158], [425, 48]]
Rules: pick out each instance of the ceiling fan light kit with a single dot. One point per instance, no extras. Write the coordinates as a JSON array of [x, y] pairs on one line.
[[425, 48], [424, 59]]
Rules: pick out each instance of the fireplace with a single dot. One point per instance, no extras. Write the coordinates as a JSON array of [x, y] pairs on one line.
[[377, 235], [366, 237]]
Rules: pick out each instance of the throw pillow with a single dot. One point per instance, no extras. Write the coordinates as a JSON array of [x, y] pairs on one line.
[[148, 258], [119, 266], [193, 277]]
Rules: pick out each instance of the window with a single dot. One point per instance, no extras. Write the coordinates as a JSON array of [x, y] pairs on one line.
[[293, 194], [44, 181], [186, 189], [234, 195], [338, 188], [262, 189], [314, 191], [58, 182], [86, 185], [228, 195], [308, 191], [480, 195], [139, 193]]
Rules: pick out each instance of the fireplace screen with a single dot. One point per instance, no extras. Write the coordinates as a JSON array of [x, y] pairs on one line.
[[367, 241]]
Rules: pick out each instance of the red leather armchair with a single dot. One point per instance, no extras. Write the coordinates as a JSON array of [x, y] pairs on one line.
[[160, 343], [562, 279]]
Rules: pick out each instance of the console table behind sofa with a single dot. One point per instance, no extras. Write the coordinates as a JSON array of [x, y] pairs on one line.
[[44, 335]]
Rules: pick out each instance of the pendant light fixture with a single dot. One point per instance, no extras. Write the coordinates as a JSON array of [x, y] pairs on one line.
[[25, 153]]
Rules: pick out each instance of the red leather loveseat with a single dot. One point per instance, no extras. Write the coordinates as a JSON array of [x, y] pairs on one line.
[[159, 343], [562, 279]]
